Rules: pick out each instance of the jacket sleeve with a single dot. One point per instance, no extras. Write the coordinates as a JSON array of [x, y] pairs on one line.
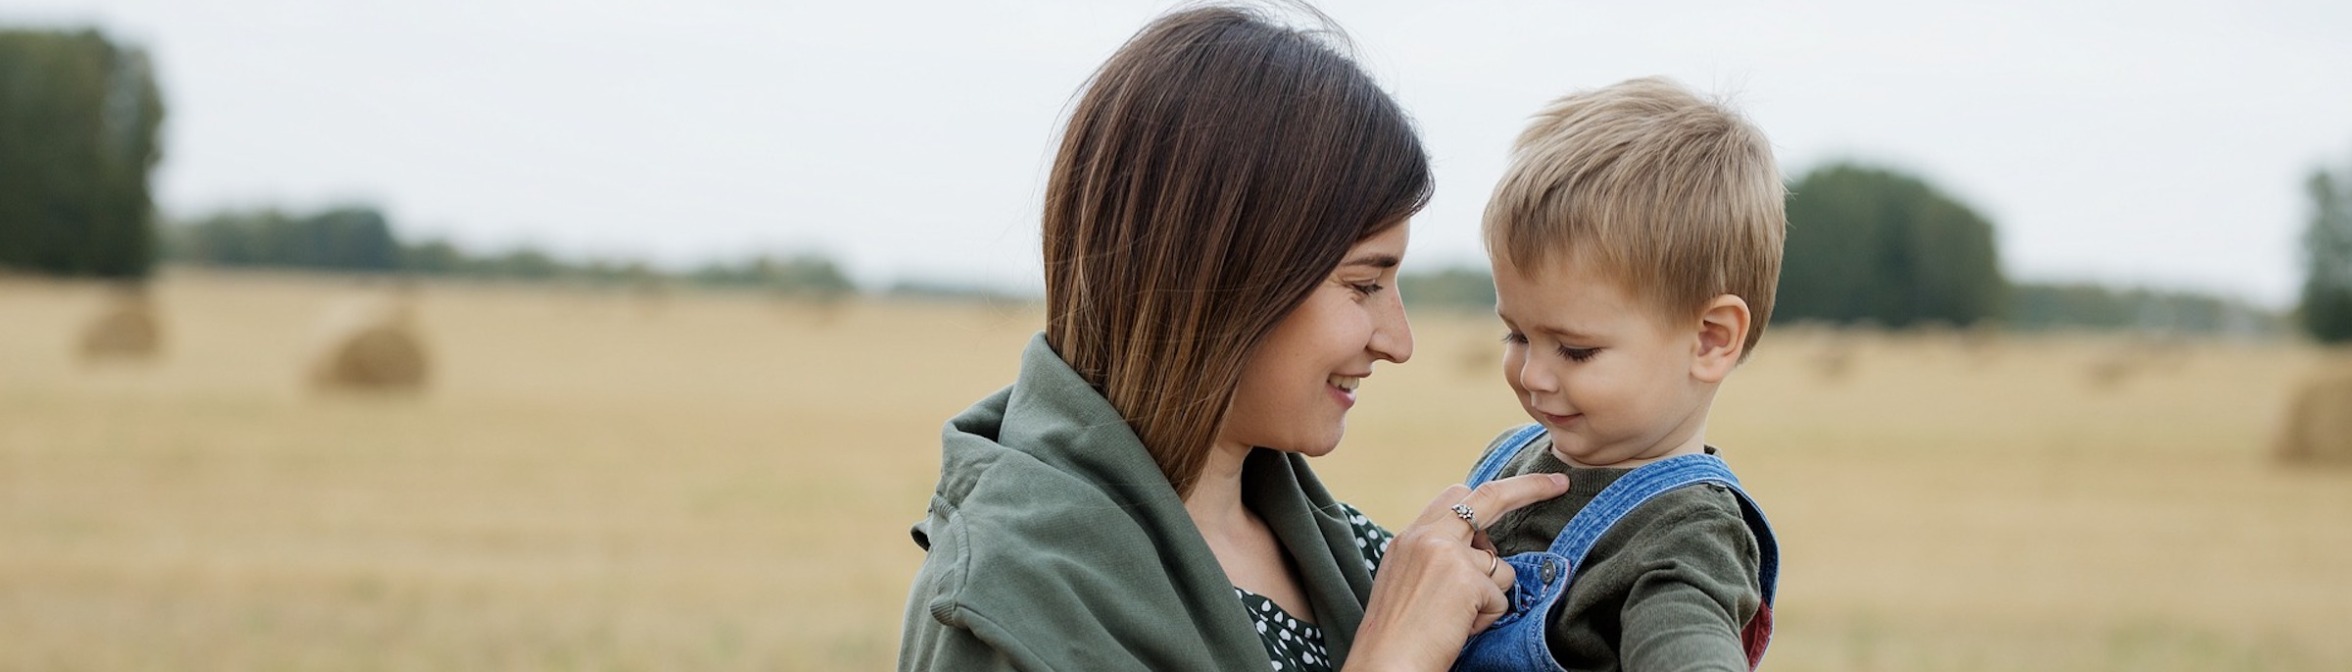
[[928, 644], [1697, 588], [939, 633]]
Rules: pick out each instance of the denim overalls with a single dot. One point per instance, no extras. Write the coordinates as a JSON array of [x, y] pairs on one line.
[[1516, 641]]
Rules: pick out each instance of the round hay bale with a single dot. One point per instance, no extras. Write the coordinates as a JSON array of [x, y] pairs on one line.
[[1982, 344], [375, 352], [125, 330], [2319, 424], [2110, 372], [1834, 358], [651, 298]]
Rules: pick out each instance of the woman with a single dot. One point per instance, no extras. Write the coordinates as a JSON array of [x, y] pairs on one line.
[[1222, 226]]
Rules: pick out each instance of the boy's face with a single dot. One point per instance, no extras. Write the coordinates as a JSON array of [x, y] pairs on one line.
[[1599, 367]]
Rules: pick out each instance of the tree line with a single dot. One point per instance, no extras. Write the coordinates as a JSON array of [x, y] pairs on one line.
[[360, 239]]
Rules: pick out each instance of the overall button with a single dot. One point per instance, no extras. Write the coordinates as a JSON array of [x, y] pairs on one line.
[[1549, 571]]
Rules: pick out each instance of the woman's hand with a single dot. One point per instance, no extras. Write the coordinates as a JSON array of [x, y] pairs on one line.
[[1433, 590]]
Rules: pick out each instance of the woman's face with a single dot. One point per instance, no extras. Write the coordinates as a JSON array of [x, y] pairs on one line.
[[1296, 389]]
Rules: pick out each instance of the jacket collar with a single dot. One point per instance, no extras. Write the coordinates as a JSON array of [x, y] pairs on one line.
[[1053, 416]]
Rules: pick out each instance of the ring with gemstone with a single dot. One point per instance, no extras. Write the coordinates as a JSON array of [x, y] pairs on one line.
[[1463, 511]]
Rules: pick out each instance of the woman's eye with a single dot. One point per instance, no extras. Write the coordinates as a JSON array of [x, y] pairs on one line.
[[1578, 354], [1368, 289]]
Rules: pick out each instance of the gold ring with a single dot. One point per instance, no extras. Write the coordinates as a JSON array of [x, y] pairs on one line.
[[1492, 561]]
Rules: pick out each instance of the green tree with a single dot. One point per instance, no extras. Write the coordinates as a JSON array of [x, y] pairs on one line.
[[2327, 255], [1868, 243], [352, 238], [79, 117], [805, 274], [1457, 289]]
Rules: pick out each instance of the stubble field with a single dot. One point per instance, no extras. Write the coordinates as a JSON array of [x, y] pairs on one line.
[[612, 480]]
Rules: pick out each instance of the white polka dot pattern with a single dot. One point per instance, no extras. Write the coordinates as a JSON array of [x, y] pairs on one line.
[[1295, 645]]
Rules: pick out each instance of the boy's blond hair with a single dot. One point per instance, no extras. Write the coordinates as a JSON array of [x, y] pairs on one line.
[[1673, 195]]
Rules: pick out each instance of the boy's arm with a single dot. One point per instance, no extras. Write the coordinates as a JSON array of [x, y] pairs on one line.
[[1696, 588]]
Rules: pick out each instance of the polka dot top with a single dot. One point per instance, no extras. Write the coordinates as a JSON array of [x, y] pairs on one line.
[[1297, 645]]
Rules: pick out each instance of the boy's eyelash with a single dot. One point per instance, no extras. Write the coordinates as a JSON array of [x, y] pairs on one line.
[[1575, 354]]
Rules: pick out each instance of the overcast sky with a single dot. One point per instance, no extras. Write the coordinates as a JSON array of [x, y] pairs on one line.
[[2149, 142]]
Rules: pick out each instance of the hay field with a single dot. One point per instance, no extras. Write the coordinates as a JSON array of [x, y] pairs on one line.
[[709, 481]]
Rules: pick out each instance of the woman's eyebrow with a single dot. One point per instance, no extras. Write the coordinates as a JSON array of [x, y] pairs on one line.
[[1375, 261]]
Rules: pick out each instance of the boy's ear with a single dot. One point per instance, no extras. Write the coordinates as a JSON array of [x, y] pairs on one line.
[[1723, 337]]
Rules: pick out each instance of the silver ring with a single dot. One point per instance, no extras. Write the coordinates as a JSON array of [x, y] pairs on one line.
[[1463, 511]]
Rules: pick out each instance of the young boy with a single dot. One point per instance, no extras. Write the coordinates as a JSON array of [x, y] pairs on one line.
[[1636, 240]]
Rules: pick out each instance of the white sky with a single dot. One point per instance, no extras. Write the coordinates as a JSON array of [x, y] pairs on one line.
[[2151, 142]]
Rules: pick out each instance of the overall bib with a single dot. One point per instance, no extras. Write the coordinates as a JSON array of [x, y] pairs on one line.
[[1517, 642]]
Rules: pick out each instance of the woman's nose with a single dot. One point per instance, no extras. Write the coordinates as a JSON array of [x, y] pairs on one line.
[[1392, 334]]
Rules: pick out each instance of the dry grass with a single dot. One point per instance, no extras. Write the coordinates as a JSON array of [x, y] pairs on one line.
[[726, 485]]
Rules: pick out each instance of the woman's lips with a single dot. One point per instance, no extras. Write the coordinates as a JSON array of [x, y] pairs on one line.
[[1346, 398]]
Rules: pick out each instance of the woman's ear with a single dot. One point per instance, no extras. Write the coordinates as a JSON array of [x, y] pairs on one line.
[[1723, 337]]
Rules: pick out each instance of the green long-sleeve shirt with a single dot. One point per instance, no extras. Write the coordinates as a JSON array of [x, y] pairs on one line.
[[1667, 588]]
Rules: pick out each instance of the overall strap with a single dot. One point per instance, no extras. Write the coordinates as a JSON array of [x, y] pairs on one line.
[[1767, 546], [1636, 487], [1492, 464]]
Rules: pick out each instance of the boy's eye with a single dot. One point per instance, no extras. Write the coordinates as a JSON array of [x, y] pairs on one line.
[[1578, 354], [1515, 338]]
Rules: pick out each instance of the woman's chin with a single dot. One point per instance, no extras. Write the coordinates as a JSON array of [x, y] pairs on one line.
[[1309, 448]]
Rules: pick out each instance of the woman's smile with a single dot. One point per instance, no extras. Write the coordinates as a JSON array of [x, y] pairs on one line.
[[1343, 387]]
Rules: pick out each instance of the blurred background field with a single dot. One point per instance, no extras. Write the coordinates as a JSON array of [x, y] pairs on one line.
[[536, 334], [601, 479]]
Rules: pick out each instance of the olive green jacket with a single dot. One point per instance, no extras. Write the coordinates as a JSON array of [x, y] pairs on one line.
[[1055, 543]]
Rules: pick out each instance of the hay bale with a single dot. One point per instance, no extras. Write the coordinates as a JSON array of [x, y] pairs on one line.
[[2319, 424], [823, 309], [2142, 355], [2110, 371], [1834, 358], [371, 348], [126, 329], [1982, 343], [650, 296]]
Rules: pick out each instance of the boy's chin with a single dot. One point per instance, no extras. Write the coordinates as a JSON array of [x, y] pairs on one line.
[[1568, 447], [1574, 450]]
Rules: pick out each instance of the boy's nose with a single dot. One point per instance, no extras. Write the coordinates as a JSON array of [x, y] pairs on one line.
[[1533, 377]]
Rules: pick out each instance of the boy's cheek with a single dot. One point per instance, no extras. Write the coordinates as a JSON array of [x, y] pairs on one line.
[[1513, 360]]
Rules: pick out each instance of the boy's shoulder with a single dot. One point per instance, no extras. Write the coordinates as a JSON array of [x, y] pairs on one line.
[[1671, 583]]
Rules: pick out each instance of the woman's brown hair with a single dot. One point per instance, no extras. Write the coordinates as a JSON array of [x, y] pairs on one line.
[[1212, 174]]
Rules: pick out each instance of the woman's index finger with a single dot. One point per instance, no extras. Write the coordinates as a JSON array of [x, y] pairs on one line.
[[1495, 498]]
